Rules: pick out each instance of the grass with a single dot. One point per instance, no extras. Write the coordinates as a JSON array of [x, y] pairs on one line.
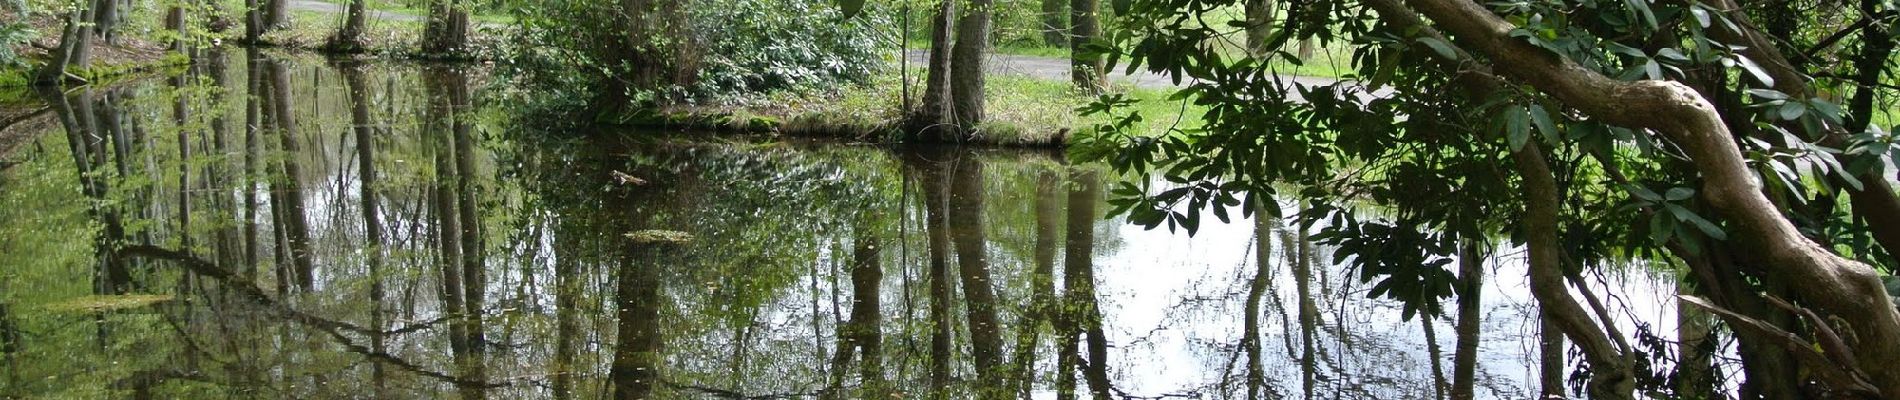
[[1021, 111]]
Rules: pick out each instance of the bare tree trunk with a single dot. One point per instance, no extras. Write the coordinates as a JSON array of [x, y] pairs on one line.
[[446, 33], [1551, 367], [966, 231], [1261, 15], [105, 20], [967, 68], [1088, 69], [934, 120], [1470, 320], [1055, 32], [1078, 279], [1257, 289], [936, 225], [278, 15], [75, 42], [349, 38], [1042, 281]]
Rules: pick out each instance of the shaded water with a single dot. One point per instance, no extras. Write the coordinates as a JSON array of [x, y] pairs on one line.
[[286, 228]]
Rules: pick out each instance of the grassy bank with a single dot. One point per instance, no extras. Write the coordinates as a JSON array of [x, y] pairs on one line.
[[1021, 111]]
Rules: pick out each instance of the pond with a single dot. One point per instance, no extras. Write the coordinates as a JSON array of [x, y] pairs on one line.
[[277, 226]]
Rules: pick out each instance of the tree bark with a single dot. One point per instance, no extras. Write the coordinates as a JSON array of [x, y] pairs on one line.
[[1470, 320], [934, 121], [1087, 69], [1055, 32], [446, 33], [1833, 285], [349, 38], [1261, 16], [75, 42], [966, 231], [1078, 279], [1611, 375], [1256, 289], [967, 65], [1042, 281]]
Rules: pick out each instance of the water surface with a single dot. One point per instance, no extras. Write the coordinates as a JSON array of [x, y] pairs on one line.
[[281, 227]]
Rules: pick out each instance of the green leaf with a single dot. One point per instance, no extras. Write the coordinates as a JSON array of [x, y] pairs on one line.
[[1541, 118], [1768, 94], [851, 8], [1679, 194], [1439, 46], [1516, 128], [1707, 228], [1792, 110], [1755, 70]]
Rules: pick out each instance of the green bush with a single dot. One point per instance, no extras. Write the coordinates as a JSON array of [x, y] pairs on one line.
[[13, 33], [715, 48]]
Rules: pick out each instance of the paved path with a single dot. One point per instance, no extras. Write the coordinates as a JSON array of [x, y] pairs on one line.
[[1058, 69], [334, 8]]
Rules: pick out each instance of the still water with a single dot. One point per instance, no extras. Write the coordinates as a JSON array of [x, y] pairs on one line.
[[276, 226]]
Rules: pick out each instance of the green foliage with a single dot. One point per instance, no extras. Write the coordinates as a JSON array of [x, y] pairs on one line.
[[754, 46], [14, 33], [718, 47]]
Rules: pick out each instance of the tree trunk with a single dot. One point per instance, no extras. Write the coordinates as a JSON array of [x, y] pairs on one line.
[[1078, 278], [936, 199], [365, 138], [1611, 376], [1470, 320], [966, 231], [446, 33], [105, 20], [1087, 68], [967, 65], [1833, 286], [1551, 366], [1257, 289], [349, 38], [74, 44], [1042, 281], [278, 16], [933, 122], [1055, 32], [1261, 16]]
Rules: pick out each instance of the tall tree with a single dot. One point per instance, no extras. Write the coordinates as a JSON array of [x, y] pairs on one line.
[[1055, 28], [75, 44], [446, 32], [349, 37], [1087, 64], [953, 89], [968, 56]]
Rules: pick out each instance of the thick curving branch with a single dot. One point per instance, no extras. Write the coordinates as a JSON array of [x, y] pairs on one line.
[[1835, 285]]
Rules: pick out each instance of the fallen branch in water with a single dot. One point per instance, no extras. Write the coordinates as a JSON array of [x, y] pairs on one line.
[[333, 328]]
